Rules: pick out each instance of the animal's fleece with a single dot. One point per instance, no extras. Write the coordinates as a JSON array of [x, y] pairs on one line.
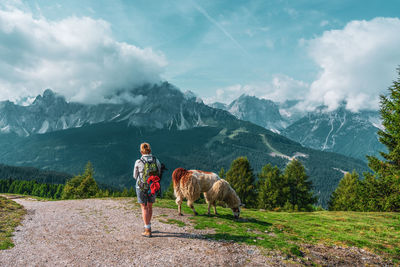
[[222, 191], [190, 184]]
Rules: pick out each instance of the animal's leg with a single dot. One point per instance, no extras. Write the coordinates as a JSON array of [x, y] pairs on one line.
[[209, 204], [179, 202], [215, 208], [190, 205]]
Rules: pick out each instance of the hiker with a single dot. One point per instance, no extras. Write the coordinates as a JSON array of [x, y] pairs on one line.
[[147, 168]]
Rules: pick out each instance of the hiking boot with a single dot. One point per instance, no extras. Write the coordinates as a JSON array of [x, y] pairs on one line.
[[147, 232]]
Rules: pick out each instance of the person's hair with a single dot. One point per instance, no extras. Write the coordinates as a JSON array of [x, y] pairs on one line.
[[145, 148]]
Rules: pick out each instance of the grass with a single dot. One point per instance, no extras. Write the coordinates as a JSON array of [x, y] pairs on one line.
[[377, 232], [11, 214], [30, 196]]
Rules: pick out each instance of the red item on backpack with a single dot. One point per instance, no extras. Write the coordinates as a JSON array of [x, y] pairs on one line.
[[154, 184]]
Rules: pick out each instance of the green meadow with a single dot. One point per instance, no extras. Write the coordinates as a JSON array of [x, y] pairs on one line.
[[11, 214], [376, 232]]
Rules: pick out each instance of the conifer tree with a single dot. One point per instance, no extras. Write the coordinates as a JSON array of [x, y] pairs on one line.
[[132, 192], [69, 191], [390, 135], [124, 192], [106, 193], [58, 193], [81, 186], [222, 173], [387, 171], [298, 187], [347, 194], [270, 185], [240, 176], [370, 194], [88, 187]]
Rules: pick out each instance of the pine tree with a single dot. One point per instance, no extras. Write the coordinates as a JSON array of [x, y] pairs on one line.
[[132, 192], [106, 193], [270, 184], [240, 176], [81, 186], [298, 187], [222, 173], [88, 187], [387, 171], [59, 190], [347, 194], [124, 192], [370, 194]]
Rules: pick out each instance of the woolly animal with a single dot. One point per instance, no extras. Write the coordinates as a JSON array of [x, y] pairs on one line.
[[189, 184], [222, 191]]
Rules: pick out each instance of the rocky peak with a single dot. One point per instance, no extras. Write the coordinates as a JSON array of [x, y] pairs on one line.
[[260, 111], [49, 97], [219, 105]]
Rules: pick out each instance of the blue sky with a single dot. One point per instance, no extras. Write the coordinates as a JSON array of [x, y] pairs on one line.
[[271, 49]]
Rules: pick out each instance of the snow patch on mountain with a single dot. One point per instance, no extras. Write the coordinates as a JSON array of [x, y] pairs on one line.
[[5, 129], [340, 170], [44, 127], [290, 158]]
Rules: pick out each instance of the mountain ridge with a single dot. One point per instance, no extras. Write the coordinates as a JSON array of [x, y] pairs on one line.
[[349, 133], [155, 108]]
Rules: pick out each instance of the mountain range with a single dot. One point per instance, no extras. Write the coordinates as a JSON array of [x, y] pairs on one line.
[[349, 133], [54, 134], [152, 106]]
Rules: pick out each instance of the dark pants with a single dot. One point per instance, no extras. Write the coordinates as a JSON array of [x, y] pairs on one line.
[[143, 197]]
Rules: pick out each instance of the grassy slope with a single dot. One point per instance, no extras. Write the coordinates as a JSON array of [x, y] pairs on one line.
[[11, 214], [378, 233]]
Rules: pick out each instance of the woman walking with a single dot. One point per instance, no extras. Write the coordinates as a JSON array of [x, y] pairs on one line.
[[146, 167]]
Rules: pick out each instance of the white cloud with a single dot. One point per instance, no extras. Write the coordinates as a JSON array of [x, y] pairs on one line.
[[279, 89], [357, 63], [76, 57]]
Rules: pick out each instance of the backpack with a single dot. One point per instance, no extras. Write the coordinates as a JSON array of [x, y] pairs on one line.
[[150, 169]]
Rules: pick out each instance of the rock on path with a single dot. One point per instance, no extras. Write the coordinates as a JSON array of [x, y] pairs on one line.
[[106, 232]]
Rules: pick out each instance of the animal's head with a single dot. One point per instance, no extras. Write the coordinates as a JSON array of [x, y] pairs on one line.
[[236, 211]]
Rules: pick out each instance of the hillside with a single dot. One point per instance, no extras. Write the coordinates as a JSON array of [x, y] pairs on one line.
[[113, 148], [31, 173]]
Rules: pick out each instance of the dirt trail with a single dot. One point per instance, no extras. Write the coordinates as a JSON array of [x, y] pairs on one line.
[[106, 232]]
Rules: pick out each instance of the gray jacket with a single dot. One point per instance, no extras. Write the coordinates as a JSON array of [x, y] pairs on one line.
[[139, 166]]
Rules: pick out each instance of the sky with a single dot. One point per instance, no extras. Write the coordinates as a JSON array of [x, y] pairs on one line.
[[319, 52]]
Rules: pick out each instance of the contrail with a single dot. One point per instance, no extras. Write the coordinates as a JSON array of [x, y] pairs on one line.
[[213, 21]]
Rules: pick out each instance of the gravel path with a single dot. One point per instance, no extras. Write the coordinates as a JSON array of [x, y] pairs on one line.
[[106, 232]]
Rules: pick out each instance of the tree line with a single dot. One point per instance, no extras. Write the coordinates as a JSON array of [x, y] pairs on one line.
[[289, 190], [79, 186], [32, 188], [31, 173]]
